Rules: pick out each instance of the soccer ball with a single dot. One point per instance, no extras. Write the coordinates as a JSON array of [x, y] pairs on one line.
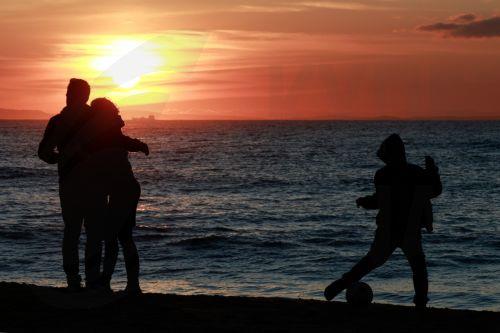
[[359, 294]]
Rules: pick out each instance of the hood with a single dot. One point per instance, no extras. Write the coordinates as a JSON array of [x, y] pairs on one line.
[[392, 150]]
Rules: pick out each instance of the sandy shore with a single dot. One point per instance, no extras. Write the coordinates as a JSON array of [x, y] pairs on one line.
[[33, 308]]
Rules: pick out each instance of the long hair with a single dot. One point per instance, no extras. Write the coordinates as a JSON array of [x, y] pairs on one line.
[[102, 106]]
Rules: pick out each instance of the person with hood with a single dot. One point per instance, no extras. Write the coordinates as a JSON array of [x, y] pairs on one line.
[[402, 196]]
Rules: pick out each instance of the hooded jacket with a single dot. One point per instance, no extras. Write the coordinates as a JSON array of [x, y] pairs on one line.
[[403, 190]]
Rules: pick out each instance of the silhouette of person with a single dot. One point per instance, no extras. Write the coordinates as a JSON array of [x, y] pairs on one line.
[[402, 196], [57, 135], [112, 194], [62, 141]]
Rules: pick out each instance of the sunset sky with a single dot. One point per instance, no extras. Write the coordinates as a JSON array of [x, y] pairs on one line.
[[270, 59]]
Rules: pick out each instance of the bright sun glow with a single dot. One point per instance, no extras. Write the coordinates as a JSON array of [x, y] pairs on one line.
[[128, 60], [134, 70]]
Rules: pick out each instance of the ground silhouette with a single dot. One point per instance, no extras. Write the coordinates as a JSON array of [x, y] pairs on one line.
[[27, 308]]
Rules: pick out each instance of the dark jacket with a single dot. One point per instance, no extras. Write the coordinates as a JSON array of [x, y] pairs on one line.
[[402, 190], [106, 147], [59, 132], [73, 134]]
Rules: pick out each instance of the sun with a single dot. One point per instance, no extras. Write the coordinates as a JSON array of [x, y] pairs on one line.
[[133, 70], [126, 61]]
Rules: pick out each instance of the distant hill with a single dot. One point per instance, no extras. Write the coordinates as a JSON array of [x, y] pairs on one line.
[[12, 114]]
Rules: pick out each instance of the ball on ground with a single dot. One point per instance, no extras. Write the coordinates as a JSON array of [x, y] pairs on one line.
[[359, 294]]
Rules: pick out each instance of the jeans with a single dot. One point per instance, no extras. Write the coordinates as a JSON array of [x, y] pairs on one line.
[[73, 217], [123, 200]]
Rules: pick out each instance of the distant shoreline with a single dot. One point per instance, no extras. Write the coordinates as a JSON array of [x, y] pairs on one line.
[[289, 120], [27, 307]]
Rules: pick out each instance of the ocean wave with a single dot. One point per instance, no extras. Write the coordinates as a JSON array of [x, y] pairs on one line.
[[220, 240], [149, 237], [16, 234], [183, 151], [204, 241], [316, 218], [317, 240], [347, 242], [40, 216], [22, 172], [486, 143], [223, 229], [265, 182], [160, 229], [277, 244], [163, 229], [478, 259], [458, 259]]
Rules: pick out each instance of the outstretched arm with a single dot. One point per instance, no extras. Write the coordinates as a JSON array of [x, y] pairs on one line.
[[134, 145], [370, 201], [47, 147]]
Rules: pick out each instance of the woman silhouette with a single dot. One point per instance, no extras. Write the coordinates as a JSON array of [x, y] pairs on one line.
[[113, 194]]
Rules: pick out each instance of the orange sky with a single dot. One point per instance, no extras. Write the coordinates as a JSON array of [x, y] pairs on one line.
[[273, 59]]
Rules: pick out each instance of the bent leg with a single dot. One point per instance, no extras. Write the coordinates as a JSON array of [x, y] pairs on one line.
[[381, 249]]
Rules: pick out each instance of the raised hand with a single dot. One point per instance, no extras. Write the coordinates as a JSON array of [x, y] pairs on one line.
[[359, 202], [429, 163]]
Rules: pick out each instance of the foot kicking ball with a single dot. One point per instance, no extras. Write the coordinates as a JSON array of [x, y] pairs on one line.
[[359, 294]]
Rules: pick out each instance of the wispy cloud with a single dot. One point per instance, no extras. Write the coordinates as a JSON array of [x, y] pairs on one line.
[[267, 9], [344, 5], [466, 26], [301, 6], [463, 18]]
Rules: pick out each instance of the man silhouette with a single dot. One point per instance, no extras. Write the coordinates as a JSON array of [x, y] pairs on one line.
[[402, 196], [58, 133]]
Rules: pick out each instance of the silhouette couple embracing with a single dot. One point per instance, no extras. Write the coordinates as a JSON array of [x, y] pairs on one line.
[[97, 187]]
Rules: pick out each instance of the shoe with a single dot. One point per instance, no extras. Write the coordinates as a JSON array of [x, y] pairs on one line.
[[421, 307], [420, 302], [94, 286], [105, 284], [74, 283], [334, 289], [133, 289]]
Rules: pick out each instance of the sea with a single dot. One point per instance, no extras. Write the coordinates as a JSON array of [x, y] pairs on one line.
[[267, 208]]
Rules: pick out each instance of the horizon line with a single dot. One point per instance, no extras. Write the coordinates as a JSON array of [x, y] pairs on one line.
[[145, 120]]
